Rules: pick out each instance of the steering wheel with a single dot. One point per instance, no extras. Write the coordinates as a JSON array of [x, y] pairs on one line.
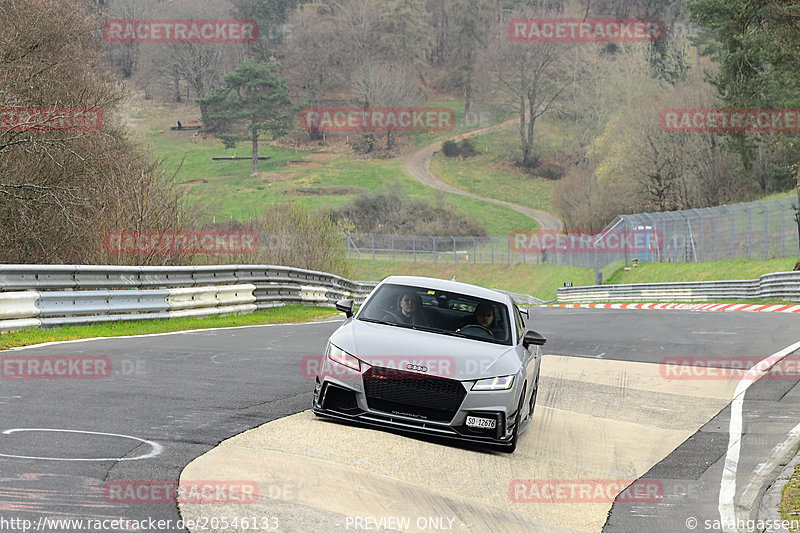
[[392, 316], [479, 328]]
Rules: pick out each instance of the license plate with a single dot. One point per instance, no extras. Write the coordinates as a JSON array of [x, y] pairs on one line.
[[483, 423]]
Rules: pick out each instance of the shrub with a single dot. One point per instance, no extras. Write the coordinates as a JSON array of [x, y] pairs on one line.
[[466, 148], [290, 235], [451, 149], [391, 213]]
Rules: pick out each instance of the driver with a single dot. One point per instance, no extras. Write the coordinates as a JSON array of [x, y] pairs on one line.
[[482, 316]]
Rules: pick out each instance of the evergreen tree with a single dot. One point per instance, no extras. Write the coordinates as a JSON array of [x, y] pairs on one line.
[[253, 99]]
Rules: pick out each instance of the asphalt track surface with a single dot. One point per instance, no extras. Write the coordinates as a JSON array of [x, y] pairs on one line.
[[171, 398]]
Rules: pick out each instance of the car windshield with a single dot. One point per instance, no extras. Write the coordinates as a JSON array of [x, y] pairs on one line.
[[439, 311]]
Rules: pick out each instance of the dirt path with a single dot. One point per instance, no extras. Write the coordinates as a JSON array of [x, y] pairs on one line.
[[418, 165]]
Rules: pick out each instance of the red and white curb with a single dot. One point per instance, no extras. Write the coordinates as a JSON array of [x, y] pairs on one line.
[[791, 308]]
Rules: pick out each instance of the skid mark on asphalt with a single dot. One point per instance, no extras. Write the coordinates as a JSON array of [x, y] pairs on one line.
[[595, 419], [36, 493]]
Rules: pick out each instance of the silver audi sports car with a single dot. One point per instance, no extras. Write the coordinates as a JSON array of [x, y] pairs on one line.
[[434, 357]]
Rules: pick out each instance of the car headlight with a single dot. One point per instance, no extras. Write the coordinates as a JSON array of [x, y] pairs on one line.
[[337, 355], [498, 383]]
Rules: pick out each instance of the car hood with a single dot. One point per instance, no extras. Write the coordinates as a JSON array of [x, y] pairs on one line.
[[437, 354]]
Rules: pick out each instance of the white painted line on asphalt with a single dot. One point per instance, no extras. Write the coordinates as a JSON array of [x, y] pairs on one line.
[[184, 331], [727, 490], [760, 473], [155, 448]]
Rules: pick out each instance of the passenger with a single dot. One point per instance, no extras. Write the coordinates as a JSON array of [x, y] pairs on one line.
[[409, 306]]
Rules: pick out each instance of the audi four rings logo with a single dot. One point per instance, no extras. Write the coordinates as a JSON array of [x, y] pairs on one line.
[[418, 368]]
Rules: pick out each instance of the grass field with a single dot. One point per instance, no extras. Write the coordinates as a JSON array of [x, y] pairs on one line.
[[491, 175], [480, 117], [275, 315], [537, 280], [789, 506], [718, 270], [321, 178], [543, 280]]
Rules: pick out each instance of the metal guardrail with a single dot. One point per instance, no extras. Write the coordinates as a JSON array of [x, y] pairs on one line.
[[777, 285], [53, 295]]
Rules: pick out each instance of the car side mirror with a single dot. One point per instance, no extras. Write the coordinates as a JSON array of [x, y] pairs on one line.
[[346, 307], [531, 337]]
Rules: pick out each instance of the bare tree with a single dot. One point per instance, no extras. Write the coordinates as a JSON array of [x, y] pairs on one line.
[[311, 65], [125, 56], [470, 22], [387, 85], [528, 77], [61, 188]]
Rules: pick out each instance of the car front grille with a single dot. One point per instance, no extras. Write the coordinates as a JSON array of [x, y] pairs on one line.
[[414, 395]]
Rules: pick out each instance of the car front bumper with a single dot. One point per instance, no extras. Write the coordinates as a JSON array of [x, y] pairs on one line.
[[347, 400]]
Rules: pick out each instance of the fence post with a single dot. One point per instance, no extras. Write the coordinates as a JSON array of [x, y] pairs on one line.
[[434, 249], [702, 235], [766, 229], [733, 230], [414, 248], [455, 252], [392, 246], [749, 231], [373, 246], [783, 229], [492, 241]]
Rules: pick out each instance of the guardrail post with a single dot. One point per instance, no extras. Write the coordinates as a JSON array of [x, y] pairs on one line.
[[474, 251]]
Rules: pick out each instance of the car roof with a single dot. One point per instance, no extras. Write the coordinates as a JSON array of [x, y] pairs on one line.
[[450, 286]]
